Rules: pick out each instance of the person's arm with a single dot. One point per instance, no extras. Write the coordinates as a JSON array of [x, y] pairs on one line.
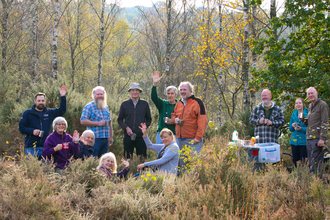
[[169, 154], [291, 128], [151, 146], [121, 116], [148, 115], [110, 135], [74, 150], [279, 120], [254, 118], [324, 125], [155, 98], [60, 111], [50, 148], [85, 118], [201, 122], [23, 125]]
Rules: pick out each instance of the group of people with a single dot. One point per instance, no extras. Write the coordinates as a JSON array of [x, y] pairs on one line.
[[181, 122], [309, 126]]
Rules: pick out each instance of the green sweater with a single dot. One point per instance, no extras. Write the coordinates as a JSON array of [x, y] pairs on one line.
[[165, 109]]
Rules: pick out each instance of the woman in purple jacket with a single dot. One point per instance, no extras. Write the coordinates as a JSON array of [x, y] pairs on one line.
[[59, 145]]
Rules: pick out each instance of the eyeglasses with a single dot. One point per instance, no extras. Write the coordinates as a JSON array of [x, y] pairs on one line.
[[61, 124]]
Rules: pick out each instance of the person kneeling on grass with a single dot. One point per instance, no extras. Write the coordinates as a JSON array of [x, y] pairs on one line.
[[108, 165], [168, 152]]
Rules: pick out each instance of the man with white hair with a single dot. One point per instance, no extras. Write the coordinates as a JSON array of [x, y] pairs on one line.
[[190, 120], [165, 107], [96, 117], [317, 128], [267, 117]]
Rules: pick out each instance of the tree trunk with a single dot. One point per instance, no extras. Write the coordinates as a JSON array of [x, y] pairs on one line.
[[34, 30], [55, 35], [168, 42], [272, 9], [254, 55], [99, 73], [4, 26], [219, 121], [245, 66]]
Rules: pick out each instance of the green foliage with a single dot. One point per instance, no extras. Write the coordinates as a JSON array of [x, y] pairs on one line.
[[300, 60]]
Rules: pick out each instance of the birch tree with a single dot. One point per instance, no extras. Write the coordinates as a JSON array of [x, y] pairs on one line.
[[56, 6], [246, 48]]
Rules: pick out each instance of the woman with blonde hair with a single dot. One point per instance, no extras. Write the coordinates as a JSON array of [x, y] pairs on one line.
[[108, 165]]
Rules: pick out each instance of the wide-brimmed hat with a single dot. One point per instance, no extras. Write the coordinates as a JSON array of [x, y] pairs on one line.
[[135, 86]]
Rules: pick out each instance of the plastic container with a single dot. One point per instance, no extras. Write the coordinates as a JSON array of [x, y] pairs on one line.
[[235, 136], [263, 153]]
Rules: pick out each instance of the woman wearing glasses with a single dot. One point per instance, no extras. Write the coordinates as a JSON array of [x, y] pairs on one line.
[[60, 145]]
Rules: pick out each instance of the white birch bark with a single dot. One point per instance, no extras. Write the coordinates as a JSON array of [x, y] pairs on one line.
[[55, 35], [168, 42], [99, 73], [34, 31]]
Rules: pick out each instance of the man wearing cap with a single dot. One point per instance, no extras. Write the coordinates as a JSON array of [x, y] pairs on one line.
[[96, 117], [36, 122], [132, 113], [165, 107]]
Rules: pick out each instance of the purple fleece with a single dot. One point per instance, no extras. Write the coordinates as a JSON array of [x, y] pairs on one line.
[[61, 158]]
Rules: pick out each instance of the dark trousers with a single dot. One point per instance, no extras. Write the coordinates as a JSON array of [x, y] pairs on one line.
[[138, 143], [298, 153], [315, 156]]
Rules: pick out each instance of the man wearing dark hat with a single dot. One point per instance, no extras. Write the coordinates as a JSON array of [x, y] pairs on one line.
[[132, 113]]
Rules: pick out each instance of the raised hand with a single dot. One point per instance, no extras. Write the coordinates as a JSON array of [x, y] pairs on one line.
[[63, 91], [126, 163], [75, 136], [156, 78], [82, 140], [143, 128]]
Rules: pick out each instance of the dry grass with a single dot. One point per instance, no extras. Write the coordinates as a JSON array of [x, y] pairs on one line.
[[218, 186]]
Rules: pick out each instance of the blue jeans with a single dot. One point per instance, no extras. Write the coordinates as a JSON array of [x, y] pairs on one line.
[[34, 151], [159, 140], [197, 147], [100, 147]]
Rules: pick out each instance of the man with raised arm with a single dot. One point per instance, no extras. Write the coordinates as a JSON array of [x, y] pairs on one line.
[[96, 117], [35, 123], [317, 128], [267, 117], [165, 107], [132, 113]]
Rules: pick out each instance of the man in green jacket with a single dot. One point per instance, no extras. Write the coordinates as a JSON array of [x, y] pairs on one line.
[[165, 107]]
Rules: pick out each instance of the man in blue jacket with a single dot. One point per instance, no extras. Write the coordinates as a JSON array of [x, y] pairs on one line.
[[36, 122]]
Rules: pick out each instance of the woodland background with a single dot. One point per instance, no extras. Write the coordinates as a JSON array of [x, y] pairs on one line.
[[229, 50]]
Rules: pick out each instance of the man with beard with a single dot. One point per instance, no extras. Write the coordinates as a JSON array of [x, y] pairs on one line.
[[36, 122], [190, 121], [132, 113], [267, 117], [96, 117]]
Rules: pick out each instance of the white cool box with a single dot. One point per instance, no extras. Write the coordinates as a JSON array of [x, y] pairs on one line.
[[263, 153]]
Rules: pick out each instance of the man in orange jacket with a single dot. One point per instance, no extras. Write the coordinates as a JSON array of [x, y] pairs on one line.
[[190, 119]]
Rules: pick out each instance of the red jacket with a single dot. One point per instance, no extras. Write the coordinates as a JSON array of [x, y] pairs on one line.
[[194, 118]]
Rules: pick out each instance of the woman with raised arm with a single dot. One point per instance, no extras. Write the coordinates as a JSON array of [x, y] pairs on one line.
[[167, 153], [59, 145]]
